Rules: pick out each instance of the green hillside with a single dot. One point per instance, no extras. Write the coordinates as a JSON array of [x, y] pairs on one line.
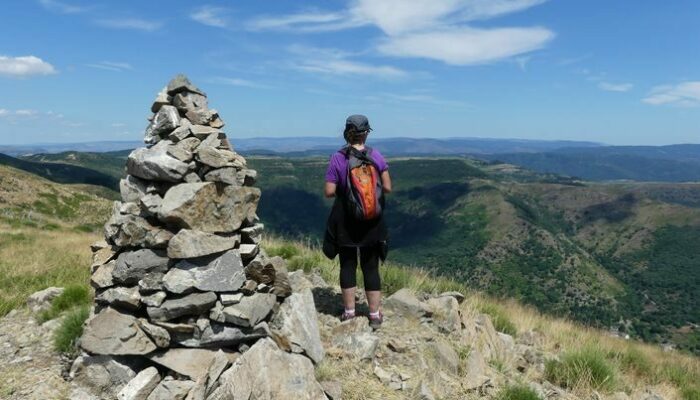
[[613, 255]]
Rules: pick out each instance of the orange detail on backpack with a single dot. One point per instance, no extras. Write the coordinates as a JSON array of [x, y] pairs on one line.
[[364, 179]]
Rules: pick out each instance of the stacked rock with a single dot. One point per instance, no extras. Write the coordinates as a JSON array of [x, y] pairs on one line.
[[181, 273]]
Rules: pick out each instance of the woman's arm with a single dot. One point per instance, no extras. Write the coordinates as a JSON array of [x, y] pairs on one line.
[[329, 190], [386, 181]]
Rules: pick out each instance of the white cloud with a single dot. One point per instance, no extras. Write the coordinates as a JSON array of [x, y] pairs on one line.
[[20, 67], [211, 16], [686, 94], [112, 66], [467, 46], [237, 82], [26, 113], [59, 7], [130, 23], [615, 87], [422, 98], [118, 125], [4, 112], [311, 21], [335, 62]]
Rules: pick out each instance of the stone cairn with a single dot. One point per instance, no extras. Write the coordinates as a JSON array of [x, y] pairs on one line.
[[182, 287]]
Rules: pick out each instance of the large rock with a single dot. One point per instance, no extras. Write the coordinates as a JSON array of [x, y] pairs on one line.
[[187, 101], [251, 309], [120, 297], [141, 386], [261, 270], [113, 333], [171, 389], [204, 207], [41, 300], [180, 84], [227, 175], [192, 363], [132, 189], [215, 158], [266, 373], [404, 302], [192, 304], [134, 231], [105, 376], [191, 244], [475, 371], [355, 337], [218, 273], [156, 164], [296, 323], [445, 356], [102, 277], [445, 311], [133, 266], [212, 334], [164, 121]]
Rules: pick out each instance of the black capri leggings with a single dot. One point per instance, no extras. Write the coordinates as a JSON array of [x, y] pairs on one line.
[[369, 262]]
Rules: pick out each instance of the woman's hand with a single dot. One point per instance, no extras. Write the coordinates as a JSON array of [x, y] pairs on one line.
[[329, 190], [386, 181]]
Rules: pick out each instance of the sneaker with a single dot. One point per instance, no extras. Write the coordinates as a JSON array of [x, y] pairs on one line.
[[376, 322], [347, 316]]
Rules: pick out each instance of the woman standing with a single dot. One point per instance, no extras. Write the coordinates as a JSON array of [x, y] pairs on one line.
[[358, 177]]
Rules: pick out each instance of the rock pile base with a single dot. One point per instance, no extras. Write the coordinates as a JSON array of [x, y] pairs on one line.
[[182, 287]]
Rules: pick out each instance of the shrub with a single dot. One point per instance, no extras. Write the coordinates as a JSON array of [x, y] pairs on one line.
[[690, 393], [586, 368], [74, 295], [517, 392], [284, 250], [634, 360], [71, 329], [499, 318]]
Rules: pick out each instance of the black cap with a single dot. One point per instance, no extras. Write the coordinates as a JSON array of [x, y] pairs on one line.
[[359, 122]]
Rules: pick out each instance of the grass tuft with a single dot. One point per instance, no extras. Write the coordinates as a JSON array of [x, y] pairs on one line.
[[517, 392], [499, 318], [583, 369], [71, 329], [73, 295]]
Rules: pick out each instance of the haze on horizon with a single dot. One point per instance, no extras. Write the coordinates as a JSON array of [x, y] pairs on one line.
[[616, 73]]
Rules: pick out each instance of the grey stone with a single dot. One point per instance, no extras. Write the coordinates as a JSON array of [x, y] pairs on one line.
[[159, 335], [296, 322], [475, 375], [132, 189], [217, 123], [212, 140], [248, 251], [249, 287], [404, 302], [445, 311], [228, 175], [134, 231], [171, 389], [217, 273], [102, 277], [151, 203], [141, 386], [333, 389], [230, 298], [251, 309], [156, 164], [252, 234], [425, 393], [247, 177], [164, 121], [192, 178], [213, 334], [202, 131], [130, 208], [132, 266], [120, 297], [215, 158], [180, 84], [191, 244], [151, 282], [218, 366], [192, 363], [103, 375], [457, 295], [41, 300], [265, 373], [161, 100], [176, 328], [355, 337], [203, 207], [445, 356], [180, 153], [192, 304], [154, 300], [201, 116], [182, 132], [186, 101], [113, 333]]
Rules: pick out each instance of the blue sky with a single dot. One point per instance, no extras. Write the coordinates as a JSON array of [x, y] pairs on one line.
[[618, 72]]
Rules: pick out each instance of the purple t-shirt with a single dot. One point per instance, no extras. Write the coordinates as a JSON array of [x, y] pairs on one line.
[[338, 167]]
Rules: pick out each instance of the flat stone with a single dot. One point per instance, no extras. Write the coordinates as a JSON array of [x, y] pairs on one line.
[[41, 300], [130, 208], [404, 302], [135, 231], [445, 311], [296, 322], [134, 265], [159, 335], [104, 375], [103, 256], [180, 153], [475, 371], [113, 333], [230, 298], [333, 389], [457, 295], [251, 309], [132, 189], [182, 132], [180, 83], [217, 335], [191, 244], [202, 131], [217, 123], [162, 99], [128, 298], [151, 203], [212, 141], [186, 101], [164, 121], [227, 175], [151, 282], [192, 363], [247, 177], [192, 178], [171, 389], [154, 300], [249, 287], [156, 164], [175, 328], [252, 234], [201, 116], [192, 304], [141, 386], [355, 337], [248, 251], [216, 273], [102, 277], [204, 207], [445, 356], [215, 158]]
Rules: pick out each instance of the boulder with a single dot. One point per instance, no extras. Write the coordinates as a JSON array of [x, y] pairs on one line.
[[192, 363], [251, 309], [404, 302], [150, 204], [215, 158], [135, 231], [192, 304], [265, 373], [204, 207], [217, 273], [171, 389], [296, 324], [102, 277], [132, 266], [141, 386], [227, 175], [475, 370], [132, 189], [191, 244], [164, 121], [41, 300], [105, 376], [102, 256], [156, 164], [113, 333], [355, 337], [180, 84], [187, 101], [445, 310], [444, 356], [201, 116], [125, 297]]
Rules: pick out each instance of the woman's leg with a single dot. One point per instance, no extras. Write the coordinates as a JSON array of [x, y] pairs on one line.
[[369, 261], [348, 278]]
